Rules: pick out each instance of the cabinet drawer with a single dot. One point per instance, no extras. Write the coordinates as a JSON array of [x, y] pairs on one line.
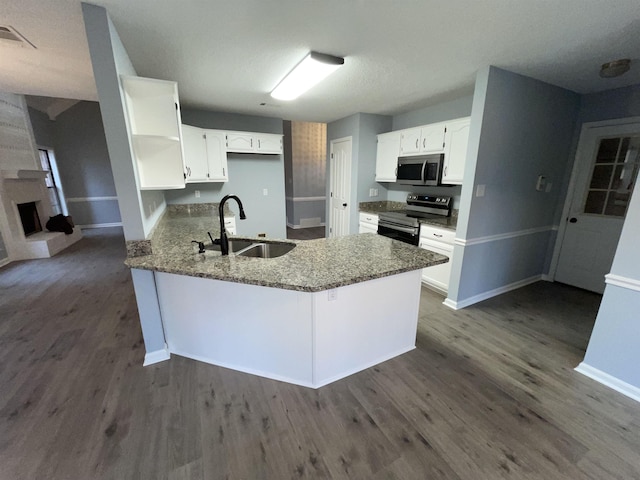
[[443, 235], [370, 218]]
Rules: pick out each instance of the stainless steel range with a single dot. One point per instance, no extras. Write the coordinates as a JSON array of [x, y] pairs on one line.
[[404, 224]]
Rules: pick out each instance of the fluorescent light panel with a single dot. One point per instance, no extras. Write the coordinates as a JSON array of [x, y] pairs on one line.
[[310, 71]]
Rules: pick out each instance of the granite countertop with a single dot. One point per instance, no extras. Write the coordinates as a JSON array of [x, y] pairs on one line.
[[312, 266], [387, 206]]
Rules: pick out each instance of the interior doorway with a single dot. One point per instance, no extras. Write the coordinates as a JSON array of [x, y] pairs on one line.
[[340, 186], [604, 175], [52, 180], [305, 165]]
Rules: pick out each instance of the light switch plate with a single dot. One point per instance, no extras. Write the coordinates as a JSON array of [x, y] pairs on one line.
[[197, 192], [265, 191], [480, 190]]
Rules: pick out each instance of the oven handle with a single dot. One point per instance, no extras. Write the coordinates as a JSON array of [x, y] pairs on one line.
[[393, 226], [424, 167]]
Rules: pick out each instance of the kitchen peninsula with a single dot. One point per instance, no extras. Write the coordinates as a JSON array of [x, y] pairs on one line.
[[323, 311]]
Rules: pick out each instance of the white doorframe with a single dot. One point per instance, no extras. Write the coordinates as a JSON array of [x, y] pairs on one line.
[[332, 179], [572, 184]]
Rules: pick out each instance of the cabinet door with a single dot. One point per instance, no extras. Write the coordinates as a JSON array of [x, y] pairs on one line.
[[216, 156], [240, 142], [387, 156], [455, 157], [195, 154], [268, 143], [367, 228], [410, 141], [437, 276], [432, 138]]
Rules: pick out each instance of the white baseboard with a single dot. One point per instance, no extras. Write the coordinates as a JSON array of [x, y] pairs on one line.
[[547, 278], [100, 225], [610, 381], [156, 356], [457, 305]]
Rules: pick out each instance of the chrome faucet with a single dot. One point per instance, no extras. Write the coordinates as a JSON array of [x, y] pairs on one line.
[[224, 241]]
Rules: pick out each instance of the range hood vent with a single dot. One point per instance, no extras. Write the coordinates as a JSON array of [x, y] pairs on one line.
[[9, 36]]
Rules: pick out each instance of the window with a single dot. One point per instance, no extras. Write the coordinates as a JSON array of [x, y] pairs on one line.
[[46, 160], [614, 174]]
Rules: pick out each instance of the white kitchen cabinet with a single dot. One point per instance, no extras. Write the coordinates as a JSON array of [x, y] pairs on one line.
[[249, 142], [432, 138], [368, 223], [387, 156], [439, 240], [456, 140], [205, 155], [410, 141], [153, 124], [268, 143]]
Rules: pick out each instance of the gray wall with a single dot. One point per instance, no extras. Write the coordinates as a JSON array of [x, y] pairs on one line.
[[614, 347], [77, 137], [139, 210], [363, 128], [520, 128], [249, 175]]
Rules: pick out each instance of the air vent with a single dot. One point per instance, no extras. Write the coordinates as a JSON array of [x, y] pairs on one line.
[[9, 36]]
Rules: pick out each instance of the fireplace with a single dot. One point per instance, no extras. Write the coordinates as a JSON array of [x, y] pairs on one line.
[[30, 218]]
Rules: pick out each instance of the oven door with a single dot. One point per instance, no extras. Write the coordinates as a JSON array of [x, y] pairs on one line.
[[401, 233], [433, 170]]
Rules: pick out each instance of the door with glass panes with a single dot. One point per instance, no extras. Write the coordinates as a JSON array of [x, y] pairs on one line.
[[606, 170]]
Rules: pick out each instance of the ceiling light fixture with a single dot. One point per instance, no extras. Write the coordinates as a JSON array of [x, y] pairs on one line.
[[310, 71], [615, 68]]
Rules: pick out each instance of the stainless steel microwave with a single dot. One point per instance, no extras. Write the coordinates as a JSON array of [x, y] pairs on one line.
[[420, 170]]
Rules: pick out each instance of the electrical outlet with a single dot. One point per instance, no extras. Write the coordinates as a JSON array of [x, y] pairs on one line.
[[332, 294], [197, 193], [265, 192], [480, 190], [548, 189], [373, 192]]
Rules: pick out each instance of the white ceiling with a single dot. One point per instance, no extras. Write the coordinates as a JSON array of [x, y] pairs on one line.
[[399, 55]]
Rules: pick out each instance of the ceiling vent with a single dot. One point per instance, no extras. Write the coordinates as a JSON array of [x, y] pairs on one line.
[[9, 36]]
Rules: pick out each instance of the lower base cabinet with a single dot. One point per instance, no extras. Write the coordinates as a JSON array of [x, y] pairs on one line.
[[368, 223], [440, 241]]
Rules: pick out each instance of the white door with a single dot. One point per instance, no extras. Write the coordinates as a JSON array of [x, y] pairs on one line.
[[340, 184], [606, 169]]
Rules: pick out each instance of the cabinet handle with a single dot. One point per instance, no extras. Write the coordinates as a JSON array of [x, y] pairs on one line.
[[417, 143], [424, 143], [396, 172], [436, 235], [251, 143], [223, 172], [258, 144], [445, 171]]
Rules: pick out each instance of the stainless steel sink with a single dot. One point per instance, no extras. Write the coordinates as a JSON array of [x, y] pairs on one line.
[[234, 245], [266, 250]]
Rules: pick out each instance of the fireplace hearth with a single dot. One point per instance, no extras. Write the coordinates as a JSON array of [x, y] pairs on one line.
[[30, 218]]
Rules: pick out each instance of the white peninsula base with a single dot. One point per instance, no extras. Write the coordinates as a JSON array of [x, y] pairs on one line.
[[308, 339]]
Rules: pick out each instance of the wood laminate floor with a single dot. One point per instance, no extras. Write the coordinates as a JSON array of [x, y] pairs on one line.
[[489, 393]]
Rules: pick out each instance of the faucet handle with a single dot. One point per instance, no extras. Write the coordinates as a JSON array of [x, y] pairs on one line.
[[200, 246]]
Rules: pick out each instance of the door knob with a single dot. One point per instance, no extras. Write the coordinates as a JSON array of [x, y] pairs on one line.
[[573, 220], [344, 204]]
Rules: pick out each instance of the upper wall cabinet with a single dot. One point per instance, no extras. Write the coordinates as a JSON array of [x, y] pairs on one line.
[[387, 156], [153, 120], [248, 142], [425, 139], [205, 155], [456, 141]]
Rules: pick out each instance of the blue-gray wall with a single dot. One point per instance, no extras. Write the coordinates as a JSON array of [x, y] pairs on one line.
[[363, 129], [520, 128], [78, 140], [249, 175], [614, 346]]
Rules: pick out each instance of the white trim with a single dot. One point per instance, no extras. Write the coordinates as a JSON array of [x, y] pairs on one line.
[[503, 236], [307, 199], [624, 282], [610, 381], [157, 356], [100, 225], [457, 305], [90, 199]]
